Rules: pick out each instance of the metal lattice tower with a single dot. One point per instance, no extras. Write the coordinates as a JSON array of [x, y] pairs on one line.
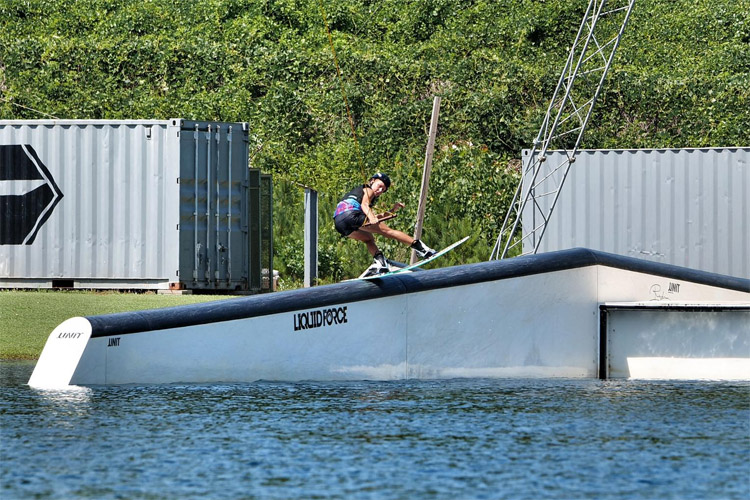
[[568, 114]]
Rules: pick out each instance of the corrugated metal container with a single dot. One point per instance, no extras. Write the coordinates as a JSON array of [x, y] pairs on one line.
[[688, 207], [128, 204]]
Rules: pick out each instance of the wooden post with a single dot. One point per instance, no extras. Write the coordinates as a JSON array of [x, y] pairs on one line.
[[426, 173]]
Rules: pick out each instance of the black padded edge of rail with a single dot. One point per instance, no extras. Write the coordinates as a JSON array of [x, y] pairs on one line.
[[398, 284]]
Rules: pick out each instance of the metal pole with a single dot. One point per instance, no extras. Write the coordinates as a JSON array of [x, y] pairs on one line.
[[426, 173], [311, 238], [217, 219], [196, 138], [209, 251], [230, 208]]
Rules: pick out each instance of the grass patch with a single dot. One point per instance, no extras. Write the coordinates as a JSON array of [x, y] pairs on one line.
[[28, 317]]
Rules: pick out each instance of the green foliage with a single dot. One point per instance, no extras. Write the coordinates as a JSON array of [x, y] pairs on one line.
[[681, 78]]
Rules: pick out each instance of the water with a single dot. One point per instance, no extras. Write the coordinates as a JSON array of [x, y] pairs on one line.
[[413, 439]]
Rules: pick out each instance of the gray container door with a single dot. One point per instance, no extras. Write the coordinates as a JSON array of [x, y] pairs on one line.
[[266, 229], [255, 240], [213, 200]]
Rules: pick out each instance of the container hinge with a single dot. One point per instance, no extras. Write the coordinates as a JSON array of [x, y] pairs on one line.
[[178, 180]]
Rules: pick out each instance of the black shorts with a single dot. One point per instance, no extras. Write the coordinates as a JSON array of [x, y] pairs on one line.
[[348, 222]]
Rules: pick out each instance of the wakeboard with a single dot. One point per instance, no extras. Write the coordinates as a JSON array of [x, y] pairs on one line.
[[420, 263]]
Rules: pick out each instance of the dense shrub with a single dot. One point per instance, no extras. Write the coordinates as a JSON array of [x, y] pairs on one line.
[[680, 79]]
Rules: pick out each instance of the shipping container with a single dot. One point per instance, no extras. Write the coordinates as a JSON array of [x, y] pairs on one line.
[[688, 207], [146, 204]]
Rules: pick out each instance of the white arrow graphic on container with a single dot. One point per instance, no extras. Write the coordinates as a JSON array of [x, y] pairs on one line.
[[19, 188], [28, 194]]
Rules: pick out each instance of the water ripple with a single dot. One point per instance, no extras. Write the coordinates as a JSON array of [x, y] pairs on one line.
[[413, 439]]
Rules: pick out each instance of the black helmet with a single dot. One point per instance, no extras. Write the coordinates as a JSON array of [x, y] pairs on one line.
[[383, 177]]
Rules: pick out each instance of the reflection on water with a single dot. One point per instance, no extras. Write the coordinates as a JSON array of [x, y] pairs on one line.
[[475, 438], [66, 407]]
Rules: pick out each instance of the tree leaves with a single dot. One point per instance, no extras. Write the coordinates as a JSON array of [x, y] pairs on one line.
[[681, 78]]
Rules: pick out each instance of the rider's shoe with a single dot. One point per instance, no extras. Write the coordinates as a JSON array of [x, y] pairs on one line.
[[423, 251], [379, 266]]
